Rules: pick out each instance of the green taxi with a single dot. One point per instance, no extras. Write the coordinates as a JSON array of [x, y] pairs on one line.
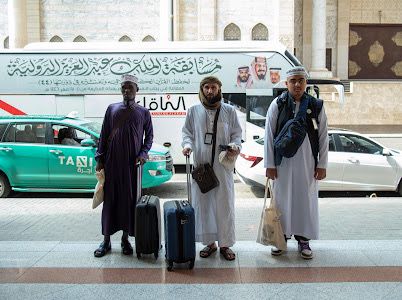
[[56, 154]]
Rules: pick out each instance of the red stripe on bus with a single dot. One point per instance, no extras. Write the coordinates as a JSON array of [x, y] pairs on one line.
[[11, 109]]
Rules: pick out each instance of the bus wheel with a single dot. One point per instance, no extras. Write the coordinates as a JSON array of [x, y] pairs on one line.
[[5, 187]]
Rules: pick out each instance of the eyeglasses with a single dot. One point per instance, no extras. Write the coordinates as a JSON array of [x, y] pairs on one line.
[[299, 81]]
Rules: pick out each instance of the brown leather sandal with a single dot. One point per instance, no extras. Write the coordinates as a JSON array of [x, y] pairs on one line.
[[227, 253], [207, 251]]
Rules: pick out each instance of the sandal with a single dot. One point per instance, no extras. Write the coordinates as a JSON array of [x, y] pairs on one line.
[[103, 249], [227, 253], [207, 251]]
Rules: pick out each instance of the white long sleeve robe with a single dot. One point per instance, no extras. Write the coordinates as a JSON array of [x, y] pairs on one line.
[[296, 189], [214, 211]]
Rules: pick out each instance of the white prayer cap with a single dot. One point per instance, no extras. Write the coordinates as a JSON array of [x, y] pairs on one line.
[[129, 78], [299, 70]]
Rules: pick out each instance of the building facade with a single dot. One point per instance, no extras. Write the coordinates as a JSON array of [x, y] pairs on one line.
[[358, 41]]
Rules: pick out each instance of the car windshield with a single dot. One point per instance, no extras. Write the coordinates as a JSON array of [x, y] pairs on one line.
[[93, 126]]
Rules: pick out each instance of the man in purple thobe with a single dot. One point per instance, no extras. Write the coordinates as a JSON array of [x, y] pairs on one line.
[[121, 145]]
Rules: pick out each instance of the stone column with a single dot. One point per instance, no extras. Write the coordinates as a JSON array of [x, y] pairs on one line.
[[17, 23], [207, 20], [318, 40]]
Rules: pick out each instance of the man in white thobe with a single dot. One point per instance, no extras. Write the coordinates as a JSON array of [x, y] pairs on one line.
[[214, 210], [296, 178]]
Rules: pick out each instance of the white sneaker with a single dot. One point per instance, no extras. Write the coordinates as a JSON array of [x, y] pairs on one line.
[[276, 252]]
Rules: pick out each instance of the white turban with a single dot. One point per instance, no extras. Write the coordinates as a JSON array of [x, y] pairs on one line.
[[129, 78], [299, 70]]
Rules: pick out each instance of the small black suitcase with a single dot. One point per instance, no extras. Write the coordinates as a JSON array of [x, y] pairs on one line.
[[147, 222]]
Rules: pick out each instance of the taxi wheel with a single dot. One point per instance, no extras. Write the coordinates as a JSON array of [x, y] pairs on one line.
[[5, 187]]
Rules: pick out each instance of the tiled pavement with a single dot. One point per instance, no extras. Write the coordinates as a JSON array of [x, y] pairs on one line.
[[46, 252]]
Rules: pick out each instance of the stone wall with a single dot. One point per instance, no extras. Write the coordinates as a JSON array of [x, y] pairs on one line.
[[286, 23], [374, 102], [375, 11], [33, 21], [106, 20], [247, 14], [3, 21], [187, 20], [332, 30], [298, 28]]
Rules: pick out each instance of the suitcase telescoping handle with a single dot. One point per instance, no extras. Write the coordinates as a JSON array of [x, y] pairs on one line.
[[188, 171], [139, 180]]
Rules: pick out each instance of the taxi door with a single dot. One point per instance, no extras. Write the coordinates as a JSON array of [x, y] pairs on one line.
[[23, 155], [70, 164]]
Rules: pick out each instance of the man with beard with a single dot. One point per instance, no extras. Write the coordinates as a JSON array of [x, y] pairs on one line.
[[259, 69], [121, 146], [214, 210], [274, 75], [244, 79]]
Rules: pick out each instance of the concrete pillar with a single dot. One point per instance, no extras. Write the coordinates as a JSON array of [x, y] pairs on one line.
[[207, 20], [17, 23], [318, 40]]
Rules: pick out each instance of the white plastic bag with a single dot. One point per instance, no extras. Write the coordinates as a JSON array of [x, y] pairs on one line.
[[228, 161], [270, 232], [98, 195]]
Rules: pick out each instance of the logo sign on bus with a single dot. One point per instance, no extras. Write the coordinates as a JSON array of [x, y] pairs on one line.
[[167, 105]]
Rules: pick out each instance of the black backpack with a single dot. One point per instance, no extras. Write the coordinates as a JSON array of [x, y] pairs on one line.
[[285, 113]]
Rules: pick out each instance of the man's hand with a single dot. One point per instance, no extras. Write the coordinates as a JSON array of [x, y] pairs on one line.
[[320, 174], [99, 166], [232, 152], [271, 173], [141, 160], [186, 151]]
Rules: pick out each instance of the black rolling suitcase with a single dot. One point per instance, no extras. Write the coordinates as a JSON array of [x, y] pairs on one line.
[[179, 229], [147, 222]]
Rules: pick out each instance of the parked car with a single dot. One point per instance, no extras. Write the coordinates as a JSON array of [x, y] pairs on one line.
[[355, 163], [56, 154]]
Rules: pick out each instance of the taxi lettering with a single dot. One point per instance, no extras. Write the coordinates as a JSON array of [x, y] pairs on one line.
[[80, 161]]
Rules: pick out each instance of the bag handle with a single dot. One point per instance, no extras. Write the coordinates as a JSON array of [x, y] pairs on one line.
[[268, 187], [188, 171], [214, 136]]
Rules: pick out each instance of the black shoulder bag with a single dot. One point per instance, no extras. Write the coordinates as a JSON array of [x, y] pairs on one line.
[[204, 174]]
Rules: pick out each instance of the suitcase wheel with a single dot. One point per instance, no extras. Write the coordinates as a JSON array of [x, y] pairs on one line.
[[170, 266], [156, 255], [191, 265], [138, 255]]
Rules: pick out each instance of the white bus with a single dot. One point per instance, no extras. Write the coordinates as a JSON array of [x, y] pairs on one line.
[[57, 78]]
